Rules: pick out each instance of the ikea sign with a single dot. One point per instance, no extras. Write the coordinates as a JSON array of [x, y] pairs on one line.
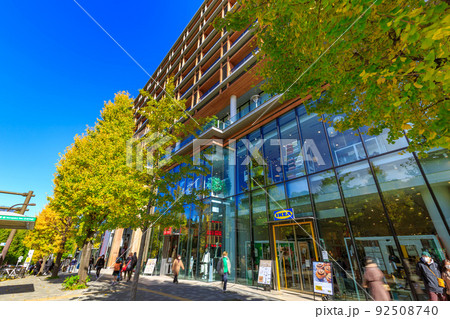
[[283, 214]]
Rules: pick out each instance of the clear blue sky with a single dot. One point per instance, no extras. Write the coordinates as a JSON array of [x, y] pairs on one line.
[[57, 67]]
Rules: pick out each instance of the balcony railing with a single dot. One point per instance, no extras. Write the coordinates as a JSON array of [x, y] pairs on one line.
[[214, 63], [184, 93], [254, 52], [209, 91]]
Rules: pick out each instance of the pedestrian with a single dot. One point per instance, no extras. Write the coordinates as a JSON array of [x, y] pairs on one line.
[[224, 269], [37, 267], [73, 263], [446, 276], [117, 269], [91, 265], [100, 263], [129, 266], [429, 272], [176, 265], [374, 280]]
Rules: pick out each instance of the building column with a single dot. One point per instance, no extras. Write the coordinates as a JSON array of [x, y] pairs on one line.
[[233, 108], [115, 247]]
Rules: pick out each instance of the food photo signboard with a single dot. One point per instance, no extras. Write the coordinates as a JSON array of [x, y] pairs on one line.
[[323, 278]]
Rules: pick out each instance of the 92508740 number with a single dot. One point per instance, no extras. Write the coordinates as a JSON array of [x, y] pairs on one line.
[[406, 310]]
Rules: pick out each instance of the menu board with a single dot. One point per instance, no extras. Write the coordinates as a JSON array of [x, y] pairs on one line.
[[150, 266], [323, 278], [265, 272]]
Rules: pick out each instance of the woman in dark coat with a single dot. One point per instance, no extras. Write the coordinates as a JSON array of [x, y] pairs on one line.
[[374, 280]]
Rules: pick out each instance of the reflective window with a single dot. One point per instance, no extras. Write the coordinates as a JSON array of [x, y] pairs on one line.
[[335, 235], [346, 147], [293, 160], [379, 144], [242, 175], [272, 153], [277, 199], [315, 148], [257, 162], [411, 208], [299, 199], [243, 241]]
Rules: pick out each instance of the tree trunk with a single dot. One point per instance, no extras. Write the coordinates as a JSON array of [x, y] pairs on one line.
[[84, 262], [44, 261], [57, 264], [138, 265]]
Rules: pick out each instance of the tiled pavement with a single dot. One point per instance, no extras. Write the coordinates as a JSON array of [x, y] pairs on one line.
[[159, 288]]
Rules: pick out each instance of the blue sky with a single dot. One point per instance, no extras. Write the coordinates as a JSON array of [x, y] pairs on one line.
[[57, 67]]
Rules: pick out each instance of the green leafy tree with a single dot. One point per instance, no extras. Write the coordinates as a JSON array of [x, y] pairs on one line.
[[17, 248], [384, 64], [93, 183], [167, 123]]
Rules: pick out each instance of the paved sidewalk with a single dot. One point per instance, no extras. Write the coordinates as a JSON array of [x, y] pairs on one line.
[[158, 288]]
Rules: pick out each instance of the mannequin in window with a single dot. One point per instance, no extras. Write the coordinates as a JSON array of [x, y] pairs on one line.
[[205, 263]]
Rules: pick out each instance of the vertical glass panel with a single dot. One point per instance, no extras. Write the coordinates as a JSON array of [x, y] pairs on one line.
[[243, 241], [214, 236], [378, 144], [217, 183], [242, 174], [287, 258], [272, 153], [437, 169], [315, 148], [229, 163], [346, 147], [204, 272], [277, 199], [292, 157], [299, 199], [257, 167], [335, 236], [229, 233], [416, 219], [370, 227], [192, 265], [260, 229]]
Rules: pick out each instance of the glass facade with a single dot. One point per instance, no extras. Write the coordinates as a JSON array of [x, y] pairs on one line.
[[353, 195]]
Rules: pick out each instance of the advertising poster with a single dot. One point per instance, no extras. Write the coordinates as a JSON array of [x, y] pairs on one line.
[[150, 267], [323, 278], [265, 272]]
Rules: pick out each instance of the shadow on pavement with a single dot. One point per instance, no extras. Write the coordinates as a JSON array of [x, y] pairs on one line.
[[16, 289]]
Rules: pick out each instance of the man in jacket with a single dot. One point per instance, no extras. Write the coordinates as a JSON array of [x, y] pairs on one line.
[[429, 272], [224, 269], [177, 264]]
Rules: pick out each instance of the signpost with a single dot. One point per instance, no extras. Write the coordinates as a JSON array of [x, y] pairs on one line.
[[28, 259], [283, 214], [265, 273], [150, 267], [323, 278]]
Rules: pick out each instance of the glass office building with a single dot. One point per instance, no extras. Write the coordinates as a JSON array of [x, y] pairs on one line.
[[353, 195]]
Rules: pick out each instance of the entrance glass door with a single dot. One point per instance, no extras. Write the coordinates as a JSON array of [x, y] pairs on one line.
[[295, 252]]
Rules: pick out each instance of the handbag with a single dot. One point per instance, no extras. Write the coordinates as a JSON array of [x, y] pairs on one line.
[[441, 281]]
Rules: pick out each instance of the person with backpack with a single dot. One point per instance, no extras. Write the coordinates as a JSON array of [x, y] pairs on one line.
[[99, 265], [430, 274], [117, 269], [224, 269]]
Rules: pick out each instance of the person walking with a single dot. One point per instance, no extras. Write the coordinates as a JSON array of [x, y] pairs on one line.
[[176, 265], [446, 276], [224, 269], [129, 266], [117, 269], [99, 265], [374, 280], [37, 267], [73, 263], [429, 272]]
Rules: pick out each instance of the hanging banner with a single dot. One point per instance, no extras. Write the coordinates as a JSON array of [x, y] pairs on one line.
[[323, 278], [150, 266], [28, 259], [265, 272]]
